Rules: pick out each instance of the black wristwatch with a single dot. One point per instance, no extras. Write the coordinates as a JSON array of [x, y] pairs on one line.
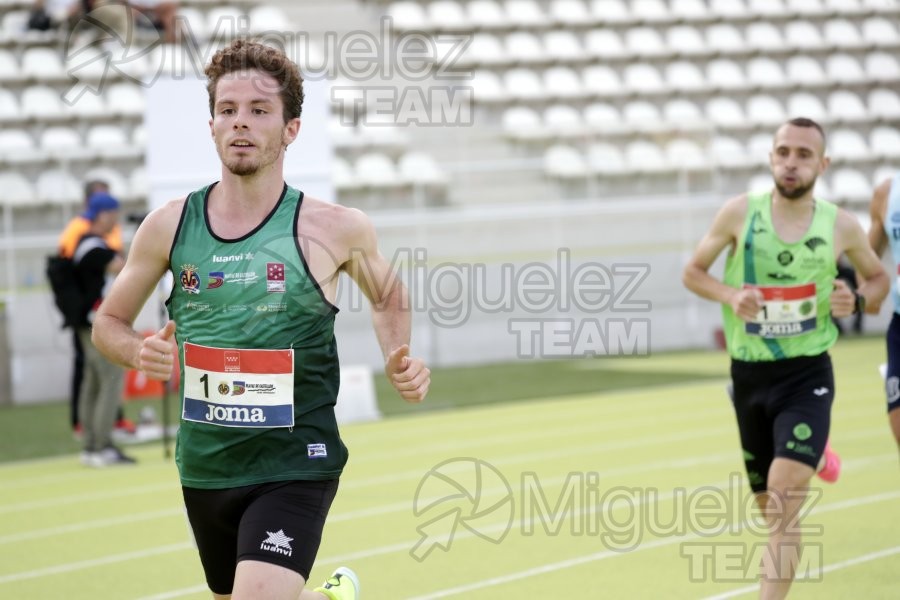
[[860, 305]]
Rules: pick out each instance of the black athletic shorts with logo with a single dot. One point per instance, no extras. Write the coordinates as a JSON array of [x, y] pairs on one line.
[[892, 378], [783, 409], [279, 523]]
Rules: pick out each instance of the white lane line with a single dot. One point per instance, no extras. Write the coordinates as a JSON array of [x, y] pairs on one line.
[[196, 589], [580, 560], [96, 562], [92, 497], [407, 545], [95, 524], [850, 562]]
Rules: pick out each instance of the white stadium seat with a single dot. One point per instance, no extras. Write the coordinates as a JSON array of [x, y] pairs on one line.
[[850, 184], [884, 104], [408, 16], [522, 122], [376, 170], [803, 35], [9, 66], [843, 68], [847, 107], [342, 175], [685, 40], [605, 159], [765, 111], [848, 144], [487, 87], [686, 154], [41, 101], [844, 7], [728, 10], [805, 71], [882, 67], [563, 46], [727, 152], [525, 13], [652, 12], [725, 74], [524, 47], [602, 80], [17, 190], [421, 169], [562, 82], [885, 142], [643, 156], [685, 76], [58, 186], [604, 118], [725, 112], [613, 12], [485, 49], [766, 8], [684, 115], [841, 34], [880, 32], [564, 162], [267, 18], [764, 72], [645, 41], [764, 37], [523, 84], [642, 115], [563, 119], [448, 15], [63, 142], [688, 10], [604, 43], [42, 64], [643, 78], [805, 8], [725, 38], [570, 13], [9, 106], [804, 104], [759, 146], [486, 14]]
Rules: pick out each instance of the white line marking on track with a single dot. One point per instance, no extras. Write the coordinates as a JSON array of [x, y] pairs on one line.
[[580, 560], [96, 562], [850, 562]]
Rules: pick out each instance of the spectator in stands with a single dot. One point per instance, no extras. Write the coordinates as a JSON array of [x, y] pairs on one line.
[[101, 388], [162, 14], [77, 228], [257, 479]]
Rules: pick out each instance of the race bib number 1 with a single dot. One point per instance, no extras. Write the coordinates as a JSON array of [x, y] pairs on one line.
[[787, 311], [238, 387]]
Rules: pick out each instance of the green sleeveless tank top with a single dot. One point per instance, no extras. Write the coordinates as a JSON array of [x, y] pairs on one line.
[[251, 412], [796, 280]]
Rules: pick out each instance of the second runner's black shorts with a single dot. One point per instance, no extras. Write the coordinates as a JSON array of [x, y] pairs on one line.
[[783, 410]]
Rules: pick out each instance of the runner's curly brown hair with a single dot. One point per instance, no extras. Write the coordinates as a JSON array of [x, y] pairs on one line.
[[244, 54]]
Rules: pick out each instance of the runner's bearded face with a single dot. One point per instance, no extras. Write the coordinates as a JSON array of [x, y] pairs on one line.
[[796, 160]]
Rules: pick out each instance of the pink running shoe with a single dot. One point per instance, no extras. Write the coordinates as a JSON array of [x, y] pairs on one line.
[[832, 469]]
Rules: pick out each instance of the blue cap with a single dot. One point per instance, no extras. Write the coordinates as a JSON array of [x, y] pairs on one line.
[[98, 203]]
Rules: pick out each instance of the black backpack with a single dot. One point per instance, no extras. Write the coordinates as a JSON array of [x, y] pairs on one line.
[[67, 293]]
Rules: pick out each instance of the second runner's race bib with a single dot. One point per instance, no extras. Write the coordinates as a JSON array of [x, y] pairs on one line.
[[787, 311], [238, 387]]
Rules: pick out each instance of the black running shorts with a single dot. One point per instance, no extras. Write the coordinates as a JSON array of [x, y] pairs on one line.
[[892, 379], [783, 410], [279, 523]]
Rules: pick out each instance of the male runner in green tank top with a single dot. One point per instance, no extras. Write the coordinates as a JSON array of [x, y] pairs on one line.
[[778, 295], [256, 265]]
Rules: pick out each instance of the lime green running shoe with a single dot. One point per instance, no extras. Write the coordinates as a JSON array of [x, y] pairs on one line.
[[342, 585]]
